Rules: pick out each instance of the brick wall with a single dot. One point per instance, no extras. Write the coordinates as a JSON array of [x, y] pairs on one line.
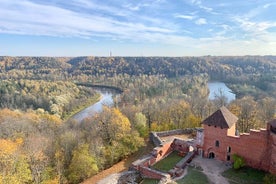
[[253, 147], [162, 151], [151, 173], [272, 168]]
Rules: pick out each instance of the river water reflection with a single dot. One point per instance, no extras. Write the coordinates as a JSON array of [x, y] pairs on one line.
[[106, 100], [216, 87]]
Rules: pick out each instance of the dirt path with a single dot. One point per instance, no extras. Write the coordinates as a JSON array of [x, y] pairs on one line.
[[212, 169], [121, 166]]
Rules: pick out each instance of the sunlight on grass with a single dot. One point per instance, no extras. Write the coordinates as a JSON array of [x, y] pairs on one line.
[[150, 181], [194, 176], [168, 163], [244, 175]]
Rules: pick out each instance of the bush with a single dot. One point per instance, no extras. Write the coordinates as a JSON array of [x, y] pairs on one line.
[[238, 161], [269, 179]]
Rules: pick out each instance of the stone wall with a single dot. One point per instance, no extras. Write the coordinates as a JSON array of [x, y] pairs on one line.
[[155, 139], [155, 136], [176, 132]]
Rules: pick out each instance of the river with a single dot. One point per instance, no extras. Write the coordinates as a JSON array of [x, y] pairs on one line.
[[106, 99], [216, 87], [108, 94]]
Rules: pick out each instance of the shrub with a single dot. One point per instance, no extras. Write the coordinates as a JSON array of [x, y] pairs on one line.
[[269, 179], [238, 161]]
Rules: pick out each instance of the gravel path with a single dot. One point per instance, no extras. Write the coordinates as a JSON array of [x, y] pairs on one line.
[[212, 169]]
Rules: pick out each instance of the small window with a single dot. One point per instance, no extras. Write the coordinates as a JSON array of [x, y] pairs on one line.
[[228, 149], [217, 143]]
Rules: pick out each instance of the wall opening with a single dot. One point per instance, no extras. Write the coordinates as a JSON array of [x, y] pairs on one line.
[[211, 155], [217, 143], [228, 149], [228, 157]]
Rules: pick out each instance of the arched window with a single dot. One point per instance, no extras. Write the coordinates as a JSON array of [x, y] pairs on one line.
[[217, 143]]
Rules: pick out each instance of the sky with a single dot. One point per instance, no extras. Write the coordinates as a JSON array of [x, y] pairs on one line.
[[137, 27]]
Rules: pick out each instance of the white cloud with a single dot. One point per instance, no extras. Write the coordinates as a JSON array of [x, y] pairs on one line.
[[267, 5], [25, 17], [188, 17], [201, 21], [129, 23], [136, 7], [200, 5], [254, 28]]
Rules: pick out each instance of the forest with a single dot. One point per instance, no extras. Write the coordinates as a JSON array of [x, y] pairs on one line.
[[39, 143]]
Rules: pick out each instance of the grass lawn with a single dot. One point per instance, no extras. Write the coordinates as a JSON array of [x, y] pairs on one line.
[[244, 175], [168, 163], [150, 181], [194, 176]]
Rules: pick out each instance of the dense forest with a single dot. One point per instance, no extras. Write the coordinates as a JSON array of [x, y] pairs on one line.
[[39, 143]]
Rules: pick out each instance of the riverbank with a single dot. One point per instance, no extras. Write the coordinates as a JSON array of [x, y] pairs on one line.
[[89, 102]]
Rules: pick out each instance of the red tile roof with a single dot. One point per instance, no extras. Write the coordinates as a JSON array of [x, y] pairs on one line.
[[221, 118]]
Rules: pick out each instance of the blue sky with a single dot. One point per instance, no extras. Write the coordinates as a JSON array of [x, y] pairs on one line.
[[137, 27]]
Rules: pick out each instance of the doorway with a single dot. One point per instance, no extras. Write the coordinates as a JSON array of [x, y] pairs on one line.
[[211, 155]]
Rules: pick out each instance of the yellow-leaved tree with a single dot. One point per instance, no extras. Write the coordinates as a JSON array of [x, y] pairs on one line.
[[83, 164], [118, 137], [14, 168]]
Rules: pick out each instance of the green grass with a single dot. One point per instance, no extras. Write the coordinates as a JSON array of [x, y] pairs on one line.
[[150, 181], [244, 175], [194, 176], [168, 163]]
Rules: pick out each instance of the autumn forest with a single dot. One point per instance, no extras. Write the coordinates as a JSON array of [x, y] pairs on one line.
[[40, 143]]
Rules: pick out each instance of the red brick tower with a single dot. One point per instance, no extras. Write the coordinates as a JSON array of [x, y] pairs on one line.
[[217, 127]]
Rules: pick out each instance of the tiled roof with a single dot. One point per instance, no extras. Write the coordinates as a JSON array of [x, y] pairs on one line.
[[221, 118]]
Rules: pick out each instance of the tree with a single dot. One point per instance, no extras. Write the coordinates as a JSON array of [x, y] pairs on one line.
[[14, 167], [35, 148], [247, 113], [113, 125], [140, 122], [266, 108], [119, 140], [220, 99], [82, 166]]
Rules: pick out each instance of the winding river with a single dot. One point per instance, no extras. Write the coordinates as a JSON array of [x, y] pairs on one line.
[[216, 87], [107, 96], [106, 100]]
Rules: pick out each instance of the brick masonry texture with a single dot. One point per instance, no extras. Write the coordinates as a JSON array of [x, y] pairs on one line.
[[258, 147]]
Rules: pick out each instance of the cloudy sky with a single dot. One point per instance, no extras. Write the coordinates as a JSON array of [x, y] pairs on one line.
[[137, 27]]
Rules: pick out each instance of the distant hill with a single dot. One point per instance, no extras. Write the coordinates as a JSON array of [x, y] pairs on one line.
[[55, 68]]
